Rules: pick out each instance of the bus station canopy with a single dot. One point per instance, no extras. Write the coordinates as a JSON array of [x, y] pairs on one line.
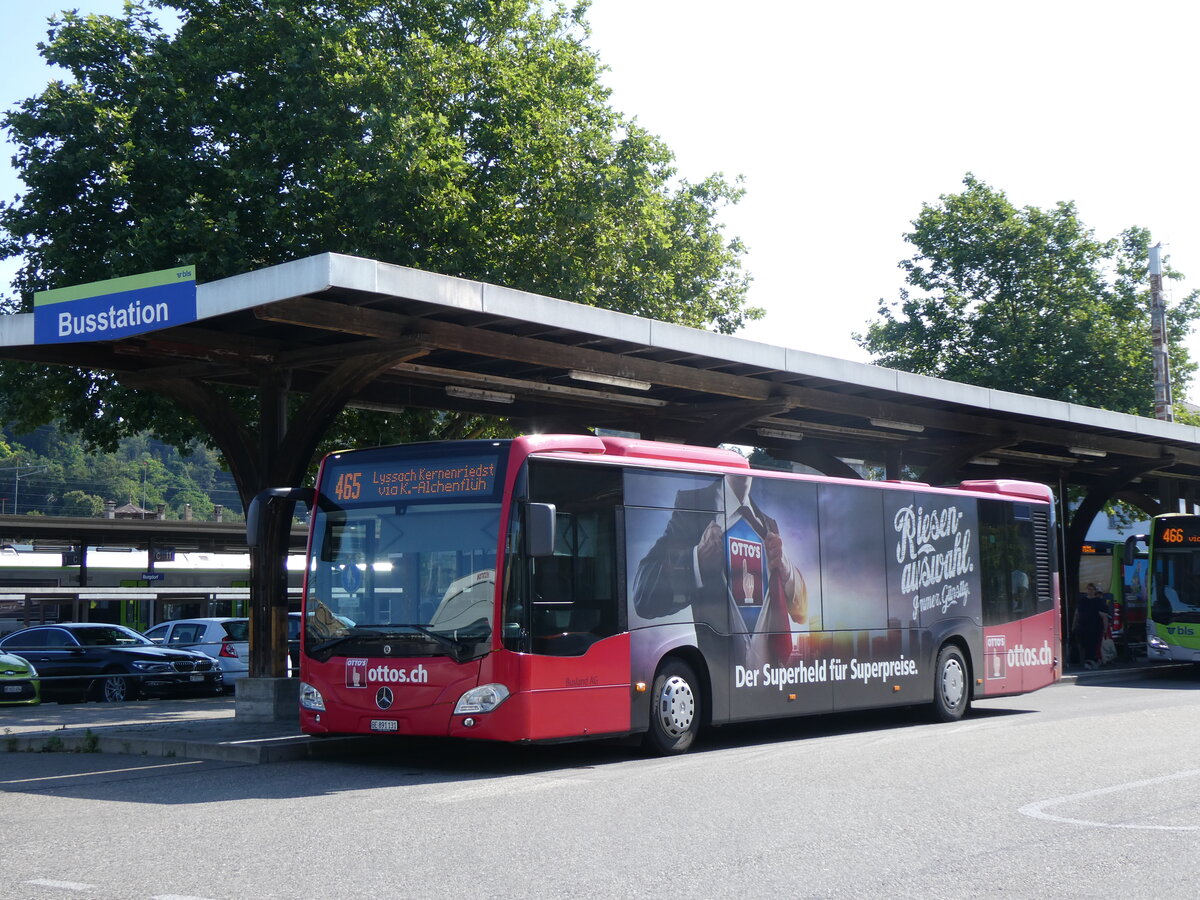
[[549, 364]]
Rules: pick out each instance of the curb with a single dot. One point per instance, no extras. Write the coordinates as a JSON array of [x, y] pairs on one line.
[[253, 752], [1104, 676]]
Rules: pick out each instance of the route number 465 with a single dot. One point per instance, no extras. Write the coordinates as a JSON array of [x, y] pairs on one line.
[[348, 486]]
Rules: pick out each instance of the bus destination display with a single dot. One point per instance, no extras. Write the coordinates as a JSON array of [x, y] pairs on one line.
[[363, 480], [1176, 532]]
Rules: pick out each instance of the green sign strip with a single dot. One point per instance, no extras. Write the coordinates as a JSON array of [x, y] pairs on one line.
[[115, 285]]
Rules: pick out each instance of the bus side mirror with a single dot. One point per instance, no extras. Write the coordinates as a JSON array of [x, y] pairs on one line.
[[1131, 543], [540, 529], [254, 513]]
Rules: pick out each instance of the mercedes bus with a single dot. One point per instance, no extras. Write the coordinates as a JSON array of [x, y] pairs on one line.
[[563, 587]]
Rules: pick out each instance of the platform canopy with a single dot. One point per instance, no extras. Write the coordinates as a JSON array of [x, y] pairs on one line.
[[549, 364]]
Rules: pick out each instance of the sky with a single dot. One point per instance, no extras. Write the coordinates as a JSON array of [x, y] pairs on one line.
[[844, 118]]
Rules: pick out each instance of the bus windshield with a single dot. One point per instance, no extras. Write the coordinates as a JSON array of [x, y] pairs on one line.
[[420, 577], [1177, 585]]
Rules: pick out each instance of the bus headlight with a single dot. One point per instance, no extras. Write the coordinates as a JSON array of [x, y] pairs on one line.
[[481, 699], [310, 697], [1157, 643]]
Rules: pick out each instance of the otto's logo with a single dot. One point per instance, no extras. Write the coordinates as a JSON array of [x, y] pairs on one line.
[[746, 549], [356, 673], [997, 652]]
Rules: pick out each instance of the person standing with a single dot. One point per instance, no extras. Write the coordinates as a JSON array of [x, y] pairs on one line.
[[1089, 625]]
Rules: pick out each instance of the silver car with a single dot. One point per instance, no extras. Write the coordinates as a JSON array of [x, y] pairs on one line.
[[224, 639]]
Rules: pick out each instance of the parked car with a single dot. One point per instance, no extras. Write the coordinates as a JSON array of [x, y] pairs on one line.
[[18, 681], [224, 639], [92, 660]]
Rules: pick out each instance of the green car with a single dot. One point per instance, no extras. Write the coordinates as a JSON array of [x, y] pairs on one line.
[[19, 682]]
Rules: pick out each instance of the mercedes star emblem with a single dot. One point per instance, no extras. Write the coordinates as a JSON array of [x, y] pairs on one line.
[[383, 697]]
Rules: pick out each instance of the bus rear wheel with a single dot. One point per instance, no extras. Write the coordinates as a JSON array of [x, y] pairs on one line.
[[675, 709], [951, 685]]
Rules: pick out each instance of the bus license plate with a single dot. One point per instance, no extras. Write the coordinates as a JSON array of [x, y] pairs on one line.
[[385, 725], [196, 677]]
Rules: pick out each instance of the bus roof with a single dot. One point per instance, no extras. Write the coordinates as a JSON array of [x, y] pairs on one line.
[[697, 457]]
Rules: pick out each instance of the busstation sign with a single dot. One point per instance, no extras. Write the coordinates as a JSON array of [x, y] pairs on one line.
[[116, 308]]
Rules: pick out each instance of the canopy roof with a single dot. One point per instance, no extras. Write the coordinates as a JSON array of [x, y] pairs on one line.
[[549, 364]]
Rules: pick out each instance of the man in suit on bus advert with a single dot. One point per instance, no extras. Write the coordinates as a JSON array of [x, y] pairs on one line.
[[729, 567]]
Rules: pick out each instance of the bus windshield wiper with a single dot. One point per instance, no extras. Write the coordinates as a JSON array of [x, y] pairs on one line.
[[357, 634], [456, 647], [333, 642]]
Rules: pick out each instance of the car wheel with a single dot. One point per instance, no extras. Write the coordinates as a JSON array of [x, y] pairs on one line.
[[675, 710], [115, 688], [951, 685]]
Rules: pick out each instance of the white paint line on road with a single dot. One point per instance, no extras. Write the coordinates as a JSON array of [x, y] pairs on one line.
[[61, 885], [1038, 810], [190, 762]]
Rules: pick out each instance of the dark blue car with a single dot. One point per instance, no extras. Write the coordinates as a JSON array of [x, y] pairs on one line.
[[80, 661]]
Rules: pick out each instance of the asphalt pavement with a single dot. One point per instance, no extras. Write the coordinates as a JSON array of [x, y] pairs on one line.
[[199, 728], [208, 728]]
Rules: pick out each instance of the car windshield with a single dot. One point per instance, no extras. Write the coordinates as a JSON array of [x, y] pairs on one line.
[[425, 570], [108, 636]]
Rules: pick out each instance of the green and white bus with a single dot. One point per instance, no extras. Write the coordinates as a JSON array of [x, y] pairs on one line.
[[1173, 620]]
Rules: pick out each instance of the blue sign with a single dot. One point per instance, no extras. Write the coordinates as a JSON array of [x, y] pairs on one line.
[[152, 576], [117, 308]]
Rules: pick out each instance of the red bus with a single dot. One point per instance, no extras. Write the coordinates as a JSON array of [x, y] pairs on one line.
[[559, 587]]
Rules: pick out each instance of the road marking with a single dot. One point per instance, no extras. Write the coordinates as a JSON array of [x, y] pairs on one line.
[[190, 762], [64, 885], [1037, 810]]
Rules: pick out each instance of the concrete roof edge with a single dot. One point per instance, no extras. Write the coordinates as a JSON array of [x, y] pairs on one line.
[[427, 287], [16, 330], [558, 313], [297, 278]]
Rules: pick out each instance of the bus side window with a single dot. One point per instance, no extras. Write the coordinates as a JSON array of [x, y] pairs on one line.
[[1008, 577]]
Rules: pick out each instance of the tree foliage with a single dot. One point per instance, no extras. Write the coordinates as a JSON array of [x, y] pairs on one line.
[[1031, 301], [58, 476], [467, 137]]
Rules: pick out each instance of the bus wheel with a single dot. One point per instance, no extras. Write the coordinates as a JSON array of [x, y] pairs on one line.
[[951, 686], [675, 713]]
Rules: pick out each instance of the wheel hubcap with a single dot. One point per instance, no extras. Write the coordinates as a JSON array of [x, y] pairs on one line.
[[676, 706], [953, 683], [114, 689]]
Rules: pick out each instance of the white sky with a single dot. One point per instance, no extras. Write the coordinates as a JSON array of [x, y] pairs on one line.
[[845, 117]]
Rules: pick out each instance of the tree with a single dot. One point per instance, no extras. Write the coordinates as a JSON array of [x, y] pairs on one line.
[[462, 137], [81, 503], [466, 137], [1028, 300]]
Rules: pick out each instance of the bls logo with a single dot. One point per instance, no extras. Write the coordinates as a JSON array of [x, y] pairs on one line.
[[1181, 630]]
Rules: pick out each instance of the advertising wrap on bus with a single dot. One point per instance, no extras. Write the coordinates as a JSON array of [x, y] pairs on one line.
[[818, 596], [673, 587]]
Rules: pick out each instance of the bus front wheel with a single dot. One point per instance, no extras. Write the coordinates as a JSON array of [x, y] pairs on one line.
[[675, 710], [951, 685]]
